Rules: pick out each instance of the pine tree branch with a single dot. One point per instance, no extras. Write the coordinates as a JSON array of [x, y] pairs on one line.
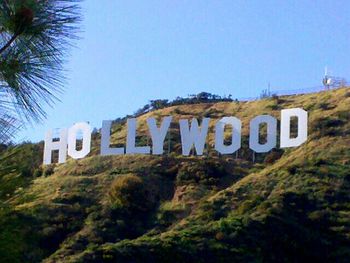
[[34, 40], [13, 38]]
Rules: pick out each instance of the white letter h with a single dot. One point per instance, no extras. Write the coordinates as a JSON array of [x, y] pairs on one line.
[[60, 145]]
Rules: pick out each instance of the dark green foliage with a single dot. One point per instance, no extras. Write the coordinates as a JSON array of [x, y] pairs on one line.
[[18, 167], [38, 172], [205, 172], [292, 232], [203, 97], [13, 236], [325, 106], [212, 113], [274, 104], [343, 115], [41, 30], [158, 104], [273, 156], [329, 126], [49, 169]]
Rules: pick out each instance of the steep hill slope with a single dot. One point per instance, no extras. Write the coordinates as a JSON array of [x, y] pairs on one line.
[[289, 205]]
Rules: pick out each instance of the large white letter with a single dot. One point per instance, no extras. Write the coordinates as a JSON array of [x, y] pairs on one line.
[[158, 134], [61, 146], [286, 115], [72, 140], [236, 135], [105, 140], [193, 135], [131, 137], [271, 123]]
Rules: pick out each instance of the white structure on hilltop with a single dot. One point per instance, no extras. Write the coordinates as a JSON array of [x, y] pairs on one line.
[[330, 82]]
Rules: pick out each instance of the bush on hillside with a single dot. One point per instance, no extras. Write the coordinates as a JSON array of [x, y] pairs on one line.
[[328, 126], [202, 172], [129, 192], [273, 156], [23, 159], [49, 169]]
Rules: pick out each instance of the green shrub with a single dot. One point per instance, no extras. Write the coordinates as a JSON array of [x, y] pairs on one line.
[[49, 170], [325, 106], [202, 172], [273, 156], [344, 115], [328, 126], [129, 191], [38, 172]]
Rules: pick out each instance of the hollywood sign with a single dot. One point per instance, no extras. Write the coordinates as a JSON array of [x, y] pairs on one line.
[[192, 135]]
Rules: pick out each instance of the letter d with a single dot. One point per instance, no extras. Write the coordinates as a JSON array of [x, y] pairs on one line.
[[286, 115]]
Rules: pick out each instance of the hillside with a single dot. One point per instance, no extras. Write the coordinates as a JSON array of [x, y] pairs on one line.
[[290, 205]]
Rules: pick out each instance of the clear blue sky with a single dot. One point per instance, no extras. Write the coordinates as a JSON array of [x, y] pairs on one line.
[[135, 51]]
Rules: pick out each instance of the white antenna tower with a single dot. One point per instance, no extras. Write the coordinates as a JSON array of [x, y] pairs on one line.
[[327, 81], [332, 81]]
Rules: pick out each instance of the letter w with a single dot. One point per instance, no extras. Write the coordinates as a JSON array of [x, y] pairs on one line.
[[193, 135]]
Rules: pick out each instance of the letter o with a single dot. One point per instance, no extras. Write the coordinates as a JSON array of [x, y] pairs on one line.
[[72, 140], [255, 131]]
